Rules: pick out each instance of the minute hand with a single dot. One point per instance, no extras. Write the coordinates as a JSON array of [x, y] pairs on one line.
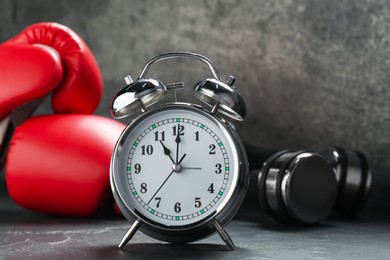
[[177, 140]]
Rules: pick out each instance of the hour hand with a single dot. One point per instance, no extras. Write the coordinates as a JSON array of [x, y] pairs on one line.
[[167, 151]]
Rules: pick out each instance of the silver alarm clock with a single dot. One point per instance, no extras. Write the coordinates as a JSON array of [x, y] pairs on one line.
[[179, 171]]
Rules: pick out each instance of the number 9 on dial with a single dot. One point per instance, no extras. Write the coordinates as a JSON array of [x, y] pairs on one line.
[[179, 172]]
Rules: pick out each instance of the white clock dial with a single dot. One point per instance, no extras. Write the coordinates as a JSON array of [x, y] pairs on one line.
[[179, 172], [180, 166]]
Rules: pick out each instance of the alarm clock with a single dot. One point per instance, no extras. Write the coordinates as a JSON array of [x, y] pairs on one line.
[[179, 171]]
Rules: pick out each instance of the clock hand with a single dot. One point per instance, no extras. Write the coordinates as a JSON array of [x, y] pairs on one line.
[[160, 186], [191, 168], [176, 168], [167, 151], [184, 155], [177, 140]]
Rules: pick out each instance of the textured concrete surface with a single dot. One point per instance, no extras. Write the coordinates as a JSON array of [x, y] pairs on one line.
[[26, 235], [314, 73]]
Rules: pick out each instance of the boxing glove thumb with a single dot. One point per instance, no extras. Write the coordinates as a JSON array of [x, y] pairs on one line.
[[28, 72], [81, 85], [59, 164]]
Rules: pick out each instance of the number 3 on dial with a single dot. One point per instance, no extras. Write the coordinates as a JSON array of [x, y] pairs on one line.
[[181, 171]]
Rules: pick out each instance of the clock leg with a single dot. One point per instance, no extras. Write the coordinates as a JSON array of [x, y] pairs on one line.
[[224, 235], [129, 234]]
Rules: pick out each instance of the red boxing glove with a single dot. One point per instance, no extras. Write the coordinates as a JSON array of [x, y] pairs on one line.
[[59, 164], [28, 72], [43, 58], [46, 57], [56, 164]]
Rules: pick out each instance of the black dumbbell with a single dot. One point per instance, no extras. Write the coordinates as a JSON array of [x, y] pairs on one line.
[[304, 187]]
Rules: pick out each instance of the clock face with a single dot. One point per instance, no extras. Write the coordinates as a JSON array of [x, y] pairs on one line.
[[179, 166]]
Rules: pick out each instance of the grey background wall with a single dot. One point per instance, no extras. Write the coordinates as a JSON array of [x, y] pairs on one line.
[[314, 73]]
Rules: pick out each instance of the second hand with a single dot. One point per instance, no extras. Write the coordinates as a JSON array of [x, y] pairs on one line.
[[182, 158], [161, 186]]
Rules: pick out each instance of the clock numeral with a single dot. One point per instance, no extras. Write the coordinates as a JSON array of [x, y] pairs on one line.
[[143, 187], [179, 128], [177, 207], [212, 149], [197, 136], [219, 168], [159, 136], [158, 199], [137, 168], [146, 150], [211, 188], [197, 203]]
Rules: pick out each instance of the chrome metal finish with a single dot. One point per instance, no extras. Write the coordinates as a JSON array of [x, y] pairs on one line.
[[215, 108], [176, 167], [127, 100], [225, 99], [271, 185], [191, 232], [147, 90], [129, 234], [224, 235], [177, 55], [141, 106], [128, 79], [175, 85], [212, 91], [264, 182], [230, 80]]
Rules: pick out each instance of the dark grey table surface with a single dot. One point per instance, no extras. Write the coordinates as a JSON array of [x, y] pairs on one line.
[[27, 235]]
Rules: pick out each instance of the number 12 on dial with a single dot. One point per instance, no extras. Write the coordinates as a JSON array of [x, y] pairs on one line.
[[180, 172]]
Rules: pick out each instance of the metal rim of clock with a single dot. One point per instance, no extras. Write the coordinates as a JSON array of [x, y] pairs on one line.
[[144, 92], [203, 227]]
